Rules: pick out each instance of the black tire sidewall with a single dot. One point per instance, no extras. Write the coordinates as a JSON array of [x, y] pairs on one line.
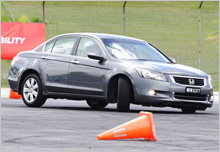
[[124, 95], [188, 110], [99, 105]]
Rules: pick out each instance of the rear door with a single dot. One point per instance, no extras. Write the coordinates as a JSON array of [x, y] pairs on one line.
[[54, 63], [87, 76]]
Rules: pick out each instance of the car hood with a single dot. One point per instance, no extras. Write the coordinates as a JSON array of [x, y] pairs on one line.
[[169, 68]]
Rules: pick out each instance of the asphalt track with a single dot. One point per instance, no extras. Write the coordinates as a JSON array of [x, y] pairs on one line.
[[63, 125]]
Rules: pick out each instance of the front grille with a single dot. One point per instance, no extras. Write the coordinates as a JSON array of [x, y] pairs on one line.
[[185, 96], [186, 81]]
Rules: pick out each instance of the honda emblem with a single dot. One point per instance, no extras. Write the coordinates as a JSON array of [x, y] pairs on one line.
[[191, 81]]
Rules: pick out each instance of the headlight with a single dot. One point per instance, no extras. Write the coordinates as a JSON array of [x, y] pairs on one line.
[[209, 80], [151, 74]]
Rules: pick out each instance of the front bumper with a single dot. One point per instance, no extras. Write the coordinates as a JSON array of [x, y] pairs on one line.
[[13, 83], [170, 94]]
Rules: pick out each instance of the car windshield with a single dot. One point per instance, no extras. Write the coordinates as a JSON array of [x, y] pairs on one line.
[[133, 50]]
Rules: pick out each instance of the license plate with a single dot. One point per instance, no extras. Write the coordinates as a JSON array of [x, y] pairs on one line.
[[193, 90]]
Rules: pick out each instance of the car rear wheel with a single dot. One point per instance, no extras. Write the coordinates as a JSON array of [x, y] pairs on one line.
[[188, 110], [124, 95], [31, 91], [97, 104]]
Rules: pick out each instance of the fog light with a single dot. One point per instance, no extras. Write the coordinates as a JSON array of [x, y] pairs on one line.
[[211, 98], [152, 92]]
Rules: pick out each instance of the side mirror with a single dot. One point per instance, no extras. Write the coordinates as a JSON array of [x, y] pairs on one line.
[[96, 57], [172, 59]]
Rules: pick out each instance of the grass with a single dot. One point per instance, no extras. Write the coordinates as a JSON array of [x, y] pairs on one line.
[[5, 65], [171, 26]]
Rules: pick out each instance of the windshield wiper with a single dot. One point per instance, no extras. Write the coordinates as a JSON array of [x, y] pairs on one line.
[[140, 59], [149, 60]]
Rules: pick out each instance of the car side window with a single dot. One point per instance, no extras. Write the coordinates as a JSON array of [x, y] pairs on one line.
[[88, 45], [64, 45], [39, 48], [49, 46]]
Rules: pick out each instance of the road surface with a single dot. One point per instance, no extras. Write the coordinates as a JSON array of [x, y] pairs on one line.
[[64, 125]]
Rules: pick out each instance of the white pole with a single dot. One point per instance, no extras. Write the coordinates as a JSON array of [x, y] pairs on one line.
[[200, 34], [124, 17]]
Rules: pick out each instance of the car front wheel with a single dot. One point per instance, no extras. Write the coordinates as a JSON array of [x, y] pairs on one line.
[[32, 92], [124, 95]]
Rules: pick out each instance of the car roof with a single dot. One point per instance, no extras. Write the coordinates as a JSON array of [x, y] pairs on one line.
[[103, 36]]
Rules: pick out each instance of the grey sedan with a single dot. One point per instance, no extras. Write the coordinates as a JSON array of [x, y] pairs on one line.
[[104, 68]]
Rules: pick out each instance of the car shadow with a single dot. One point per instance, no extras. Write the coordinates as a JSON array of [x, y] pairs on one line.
[[84, 109], [108, 109]]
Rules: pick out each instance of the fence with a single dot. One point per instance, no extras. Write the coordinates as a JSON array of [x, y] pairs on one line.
[[173, 29]]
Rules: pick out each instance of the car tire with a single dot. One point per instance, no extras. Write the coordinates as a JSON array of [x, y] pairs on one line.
[[188, 110], [124, 95], [31, 91], [97, 104]]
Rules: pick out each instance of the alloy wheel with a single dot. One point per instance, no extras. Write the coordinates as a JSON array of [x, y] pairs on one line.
[[30, 90]]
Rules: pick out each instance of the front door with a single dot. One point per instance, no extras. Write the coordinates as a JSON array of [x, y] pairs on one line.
[[87, 76]]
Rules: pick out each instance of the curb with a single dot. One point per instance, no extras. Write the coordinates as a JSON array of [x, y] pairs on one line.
[[5, 94]]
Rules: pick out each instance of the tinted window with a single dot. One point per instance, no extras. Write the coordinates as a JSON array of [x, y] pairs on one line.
[[88, 45], [49, 46], [133, 50], [64, 45]]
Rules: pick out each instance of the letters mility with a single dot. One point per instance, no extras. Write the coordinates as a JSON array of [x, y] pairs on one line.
[[12, 40], [19, 37]]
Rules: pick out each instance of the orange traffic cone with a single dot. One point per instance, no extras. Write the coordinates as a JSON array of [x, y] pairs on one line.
[[141, 127], [14, 95]]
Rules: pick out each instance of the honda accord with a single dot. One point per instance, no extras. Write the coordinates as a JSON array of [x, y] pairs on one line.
[[105, 68]]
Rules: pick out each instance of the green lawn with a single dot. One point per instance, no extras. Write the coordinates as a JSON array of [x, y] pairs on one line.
[[5, 64], [171, 26]]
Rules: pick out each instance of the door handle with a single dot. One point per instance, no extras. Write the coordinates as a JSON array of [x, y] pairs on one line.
[[45, 57], [74, 61]]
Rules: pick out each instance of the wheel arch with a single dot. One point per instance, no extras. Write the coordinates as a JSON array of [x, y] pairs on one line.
[[24, 75], [111, 93]]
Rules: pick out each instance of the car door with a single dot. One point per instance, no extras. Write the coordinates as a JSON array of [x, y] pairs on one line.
[[54, 63], [87, 76]]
